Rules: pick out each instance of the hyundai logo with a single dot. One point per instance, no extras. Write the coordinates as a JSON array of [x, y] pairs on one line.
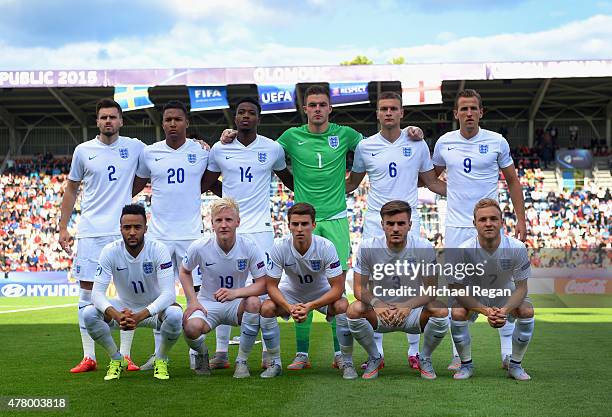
[[13, 290]]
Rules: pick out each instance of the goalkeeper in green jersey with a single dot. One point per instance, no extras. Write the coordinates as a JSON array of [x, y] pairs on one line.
[[318, 158]]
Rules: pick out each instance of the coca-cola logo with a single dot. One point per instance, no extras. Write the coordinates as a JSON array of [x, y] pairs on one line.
[[593, 286]]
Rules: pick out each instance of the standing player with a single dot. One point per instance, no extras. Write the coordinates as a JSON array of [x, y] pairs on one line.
[[473, 158], [246, 166], [507, 267], [226, 260], [414, 314], [314, 282], [141, 270], [106, 165], [394, 165], [318, 152], [175, 167]]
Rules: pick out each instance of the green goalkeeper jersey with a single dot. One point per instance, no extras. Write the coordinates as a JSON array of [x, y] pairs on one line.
[[319, 166]]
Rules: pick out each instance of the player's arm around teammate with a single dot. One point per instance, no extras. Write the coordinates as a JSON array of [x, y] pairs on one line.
[[431, 180]]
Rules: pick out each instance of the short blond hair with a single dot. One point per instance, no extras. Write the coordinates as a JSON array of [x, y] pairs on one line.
[[486, 202], [222, 204]]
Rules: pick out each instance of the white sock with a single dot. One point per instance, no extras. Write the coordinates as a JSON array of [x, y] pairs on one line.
[[378, 338], [505, 339], [125, 344], [450, 318], [345, 338], [89, 346], [157, 339], [249, 328], [460, 330], [364, 334], [170, 330], [521, 337], [198, 344], [100, 331], [270, 335], [223, 333], [434, 332], [413, 343]]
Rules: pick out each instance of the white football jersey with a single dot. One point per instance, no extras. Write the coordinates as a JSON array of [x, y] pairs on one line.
[[175, 182], [508, 264], [107, 173], [246, 174], [472, 171], [393, 169], [224, 270], [307, 275], [374, 253], [144, 281]]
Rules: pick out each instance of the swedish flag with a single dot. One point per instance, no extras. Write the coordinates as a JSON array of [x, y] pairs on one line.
[[133, 97]]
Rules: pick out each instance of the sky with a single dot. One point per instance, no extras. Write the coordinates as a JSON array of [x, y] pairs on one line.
[[134, 34]]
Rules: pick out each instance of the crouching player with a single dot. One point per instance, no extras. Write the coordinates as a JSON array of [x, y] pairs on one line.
[[142, 273], [225, 260], [314, 282], [403, 305], [505, 269]]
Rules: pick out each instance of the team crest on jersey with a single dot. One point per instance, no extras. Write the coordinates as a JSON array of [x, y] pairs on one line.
[[315, 265], [505, 264], [483, 148], [192, 158], [407, 151], [262, 157], [123, 153], [147, 267], [242, 264], [333, 141], [78, 269]]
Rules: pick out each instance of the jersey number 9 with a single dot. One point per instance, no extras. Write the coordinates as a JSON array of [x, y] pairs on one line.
[[467, 165]]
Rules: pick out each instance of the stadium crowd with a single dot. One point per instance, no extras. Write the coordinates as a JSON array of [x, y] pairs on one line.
[[32, 192]]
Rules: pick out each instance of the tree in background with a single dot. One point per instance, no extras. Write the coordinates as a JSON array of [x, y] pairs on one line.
[[400, 60], [358, 60], [364, 60]]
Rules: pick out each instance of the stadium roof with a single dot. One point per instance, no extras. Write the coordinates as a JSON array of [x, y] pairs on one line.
[[513, 94]]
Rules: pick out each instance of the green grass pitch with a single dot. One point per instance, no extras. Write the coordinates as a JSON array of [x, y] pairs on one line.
[[569, 359]]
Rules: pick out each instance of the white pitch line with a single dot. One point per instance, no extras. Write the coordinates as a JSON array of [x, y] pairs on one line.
[[38, 308]]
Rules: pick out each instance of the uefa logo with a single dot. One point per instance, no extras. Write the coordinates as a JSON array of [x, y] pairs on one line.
[[13, 290]]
